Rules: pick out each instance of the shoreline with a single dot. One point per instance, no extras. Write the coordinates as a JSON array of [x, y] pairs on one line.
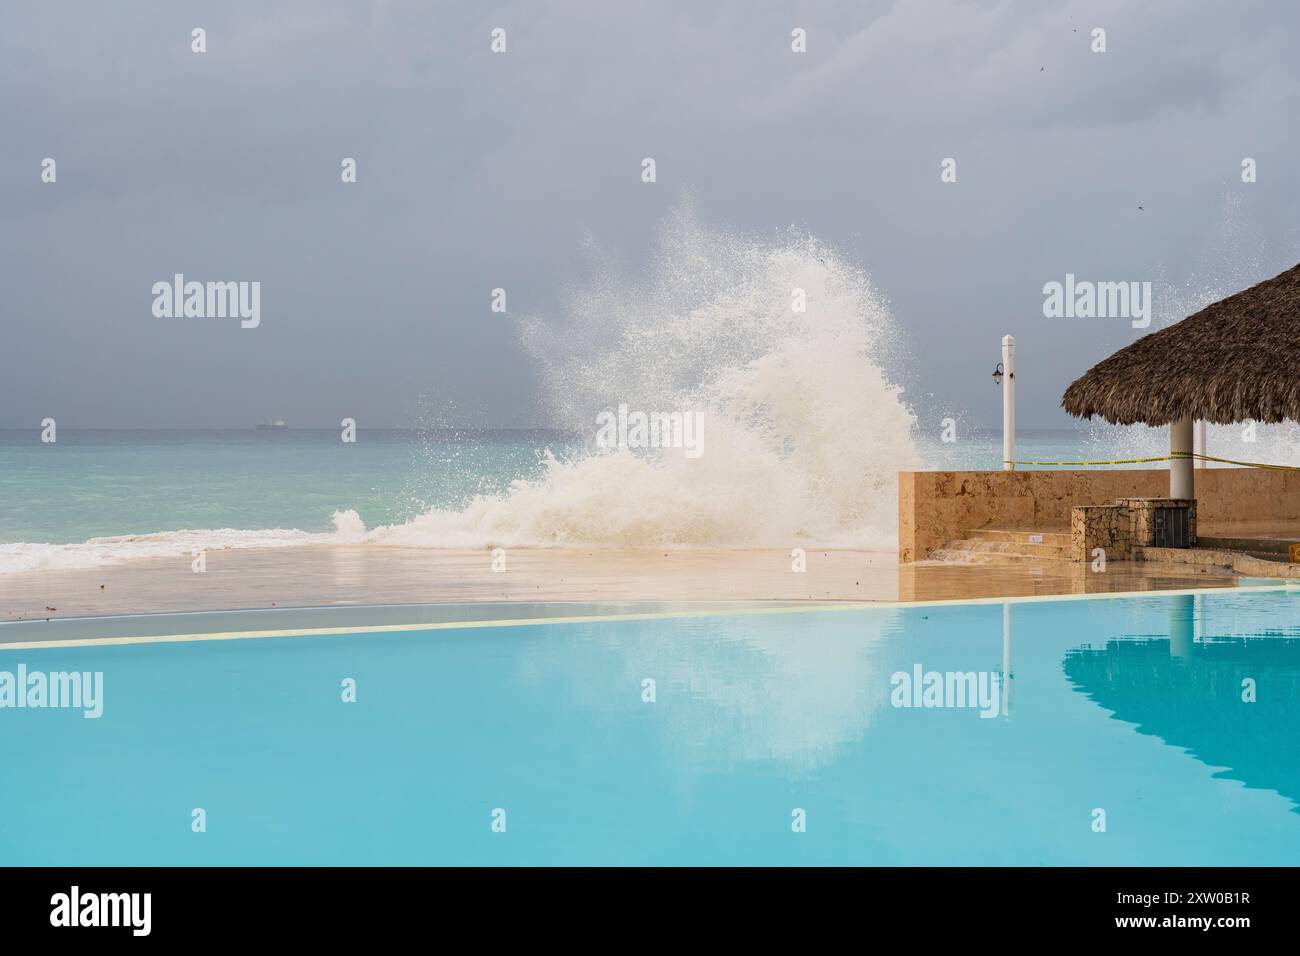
[[314, 576]]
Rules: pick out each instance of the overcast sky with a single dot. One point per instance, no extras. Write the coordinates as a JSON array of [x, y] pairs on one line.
[[479, 170]]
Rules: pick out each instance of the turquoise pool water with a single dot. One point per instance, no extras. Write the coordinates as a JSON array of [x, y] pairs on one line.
[[1131, 706]]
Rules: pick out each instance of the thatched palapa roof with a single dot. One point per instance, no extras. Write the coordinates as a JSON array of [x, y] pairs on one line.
[[1235, 360]]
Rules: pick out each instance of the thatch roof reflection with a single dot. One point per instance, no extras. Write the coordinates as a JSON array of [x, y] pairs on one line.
[[1195, 701]]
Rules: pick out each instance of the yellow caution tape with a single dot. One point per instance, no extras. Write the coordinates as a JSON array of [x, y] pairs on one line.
[[1116, 461], [1170, 457], [1233, 461]]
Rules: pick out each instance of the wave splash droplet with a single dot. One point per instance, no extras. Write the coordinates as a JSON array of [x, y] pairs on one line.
[[804, 433]]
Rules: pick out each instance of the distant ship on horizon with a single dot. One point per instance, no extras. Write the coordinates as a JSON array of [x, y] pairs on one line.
[[279, 424]]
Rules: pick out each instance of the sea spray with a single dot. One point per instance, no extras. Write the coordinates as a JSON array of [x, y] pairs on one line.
[[806, 431]]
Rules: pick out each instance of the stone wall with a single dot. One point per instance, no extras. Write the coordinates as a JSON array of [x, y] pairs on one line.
[[1120, 528], [936, 507], [1142, 518], [1108, 527]]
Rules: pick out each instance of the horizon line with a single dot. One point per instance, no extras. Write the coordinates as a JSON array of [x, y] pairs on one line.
[[991, 429]]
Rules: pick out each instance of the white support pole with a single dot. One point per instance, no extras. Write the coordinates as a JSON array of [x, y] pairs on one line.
[[1182, 624], [1182, 477], [1009, 403], [1199, 442]]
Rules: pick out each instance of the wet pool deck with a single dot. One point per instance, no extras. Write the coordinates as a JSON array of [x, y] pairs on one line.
[[342, 576]]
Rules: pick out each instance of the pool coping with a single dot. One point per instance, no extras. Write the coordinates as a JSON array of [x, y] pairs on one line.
[[746, 609]]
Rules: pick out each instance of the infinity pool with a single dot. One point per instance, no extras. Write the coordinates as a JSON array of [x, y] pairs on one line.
[[1095, 731]]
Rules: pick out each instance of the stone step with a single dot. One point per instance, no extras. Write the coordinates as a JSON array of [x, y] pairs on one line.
[[1021, 536], [987, 546], [1259, 565], [1276, 557], [1006, 548], [961, 556], [1252, 545]]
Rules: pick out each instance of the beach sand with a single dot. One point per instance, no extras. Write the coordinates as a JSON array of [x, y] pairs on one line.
[[355, 575]]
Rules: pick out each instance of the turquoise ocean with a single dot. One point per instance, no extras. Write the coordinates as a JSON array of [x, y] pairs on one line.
[[140, 485], [807, 418]]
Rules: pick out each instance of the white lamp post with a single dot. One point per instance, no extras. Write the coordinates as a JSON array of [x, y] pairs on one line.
[[1007, 369]]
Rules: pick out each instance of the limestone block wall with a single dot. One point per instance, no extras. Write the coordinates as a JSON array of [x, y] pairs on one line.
[[1142, 517], [1108, 527], [936, 507]]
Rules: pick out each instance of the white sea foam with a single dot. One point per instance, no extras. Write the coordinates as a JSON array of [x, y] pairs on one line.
[[100, 552], [805, 433]]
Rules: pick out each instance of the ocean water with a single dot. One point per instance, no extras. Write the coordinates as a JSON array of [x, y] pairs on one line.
[[99, 497], [804, 433], [93, 483], [805, 425], [243, 487], [1124, 737]]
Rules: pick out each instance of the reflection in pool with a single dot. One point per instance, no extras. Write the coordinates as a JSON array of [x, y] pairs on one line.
[[680, 740], [1231, 701]]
